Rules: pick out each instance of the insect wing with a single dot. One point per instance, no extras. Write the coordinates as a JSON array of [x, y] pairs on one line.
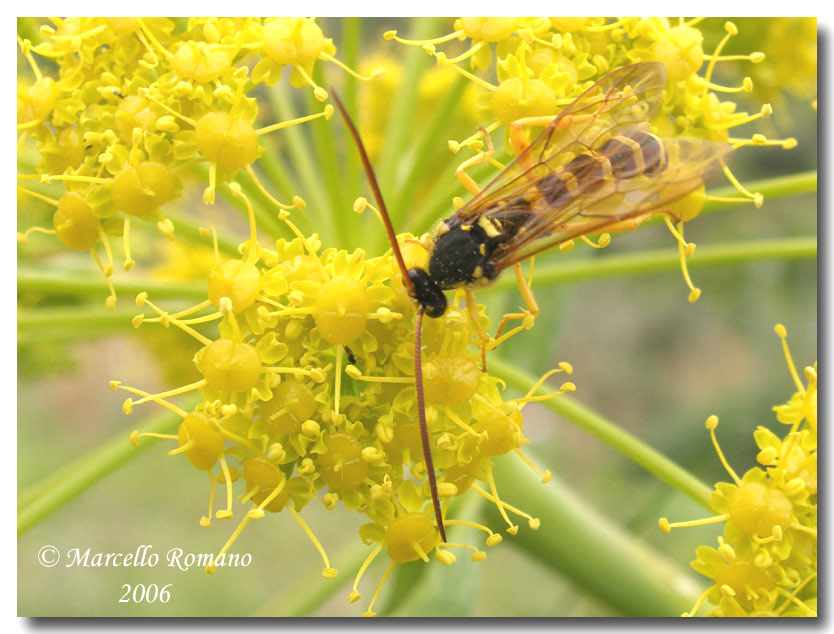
[[626, 97], [691, 162]]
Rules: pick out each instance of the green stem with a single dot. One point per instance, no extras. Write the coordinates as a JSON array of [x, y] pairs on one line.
[[351, 47], [42, 499], [593, 553], [329, 168], [420, 589], [69, 322], [399, 126], [430, 143], [76, 283], [664, 260], [598, 426], [304, 163]]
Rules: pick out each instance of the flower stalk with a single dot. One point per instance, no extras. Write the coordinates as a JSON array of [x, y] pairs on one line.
[[44, 498], [599, 557]]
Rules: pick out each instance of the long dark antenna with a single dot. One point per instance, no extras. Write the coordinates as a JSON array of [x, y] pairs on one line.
[[418, 324], [383, 210], [424, 427]]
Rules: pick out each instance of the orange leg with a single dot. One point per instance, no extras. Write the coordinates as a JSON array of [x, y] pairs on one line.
[[518, 138], [528, 316], [472, 308], [593, 226]]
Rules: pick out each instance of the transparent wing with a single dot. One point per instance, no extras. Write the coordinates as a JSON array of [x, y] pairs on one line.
[[623, 98], [691, 163]]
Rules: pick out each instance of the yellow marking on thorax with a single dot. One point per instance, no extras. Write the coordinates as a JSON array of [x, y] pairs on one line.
[[489, 227], [441, 228]]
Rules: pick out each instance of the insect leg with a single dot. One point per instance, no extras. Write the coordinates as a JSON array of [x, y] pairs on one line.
[[628, 224], [519, 141], [528, 316], [593, 226], [472, 307]]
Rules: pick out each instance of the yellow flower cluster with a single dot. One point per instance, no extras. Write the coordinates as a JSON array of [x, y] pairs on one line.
[[138, 100], [543, 64], [766, 561], [308, 394]]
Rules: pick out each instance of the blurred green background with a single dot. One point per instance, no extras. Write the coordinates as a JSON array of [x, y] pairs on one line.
[[643, 357]]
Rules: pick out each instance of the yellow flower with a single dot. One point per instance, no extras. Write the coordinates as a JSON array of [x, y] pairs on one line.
[[766, 562], [308, 393], [135, 102], [543, 65]]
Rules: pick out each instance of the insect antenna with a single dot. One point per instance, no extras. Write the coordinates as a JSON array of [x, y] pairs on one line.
[[418, 324], [424, 427], [383, 210]]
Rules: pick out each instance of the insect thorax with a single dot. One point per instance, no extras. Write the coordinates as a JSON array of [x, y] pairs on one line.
[[462, 250]]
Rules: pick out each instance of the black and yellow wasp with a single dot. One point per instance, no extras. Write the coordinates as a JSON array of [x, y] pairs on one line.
[[596, 167]]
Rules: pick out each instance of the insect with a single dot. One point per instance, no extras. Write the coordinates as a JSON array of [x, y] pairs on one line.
[[595, 167]]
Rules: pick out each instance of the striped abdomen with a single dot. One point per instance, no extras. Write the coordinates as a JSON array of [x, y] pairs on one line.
[[626, 155]]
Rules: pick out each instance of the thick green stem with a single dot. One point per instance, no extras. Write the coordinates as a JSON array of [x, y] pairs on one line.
[[599, 557], [67, 323], [620, 440], [74, 283], [664, 260], [42, 499]]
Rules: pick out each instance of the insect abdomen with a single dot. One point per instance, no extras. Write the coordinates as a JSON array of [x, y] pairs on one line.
[[582, 175], [634, 153]]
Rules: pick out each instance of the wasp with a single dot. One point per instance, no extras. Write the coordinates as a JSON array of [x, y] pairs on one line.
[[595, 167]]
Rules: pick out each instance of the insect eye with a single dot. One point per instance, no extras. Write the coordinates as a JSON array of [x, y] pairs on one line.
[[427, 293]]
